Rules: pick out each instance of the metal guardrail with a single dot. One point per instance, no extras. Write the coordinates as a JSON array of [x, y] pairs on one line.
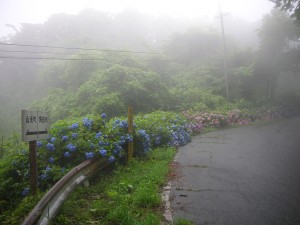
[[48, 206]]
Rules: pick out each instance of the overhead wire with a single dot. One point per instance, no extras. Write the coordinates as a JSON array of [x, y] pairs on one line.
[[83, 49], [66, 53]]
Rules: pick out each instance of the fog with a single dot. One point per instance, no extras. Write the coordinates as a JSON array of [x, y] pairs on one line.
[[85, 57], [16, 12]]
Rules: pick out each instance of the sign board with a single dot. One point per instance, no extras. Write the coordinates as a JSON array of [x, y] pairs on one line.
[[35, 125]]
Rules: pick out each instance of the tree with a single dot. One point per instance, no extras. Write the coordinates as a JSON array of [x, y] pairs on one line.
[[292, 6], [275, 35]]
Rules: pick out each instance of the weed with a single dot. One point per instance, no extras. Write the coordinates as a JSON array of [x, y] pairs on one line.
[[128, 195], [181, 221]]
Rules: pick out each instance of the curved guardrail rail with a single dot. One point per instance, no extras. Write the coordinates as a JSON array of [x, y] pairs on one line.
[[48, 206]]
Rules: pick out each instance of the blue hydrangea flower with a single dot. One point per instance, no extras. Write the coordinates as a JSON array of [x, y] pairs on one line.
[[129, 138], [74, 126], [157, 140], [92, 145], [142, 132], [87, 123], [101, 143], [51, 160], [67, 154], [111, 159], [89, 155], [48, 169], [64, 138], [122, 142], [74, 135], [118, 148], [71, 147], [53, 139], [43, 176], [50, 147], [103, 115], [39, 144], [103, 152], [98, 135], [123, 124], [25, 192]]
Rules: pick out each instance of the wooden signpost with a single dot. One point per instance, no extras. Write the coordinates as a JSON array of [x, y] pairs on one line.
[[35, 127]]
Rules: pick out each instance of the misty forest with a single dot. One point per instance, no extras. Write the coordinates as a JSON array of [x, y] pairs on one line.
[[151, 63], [96, 64]]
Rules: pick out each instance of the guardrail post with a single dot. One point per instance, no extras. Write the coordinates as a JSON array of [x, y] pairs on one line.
[[130, 131]]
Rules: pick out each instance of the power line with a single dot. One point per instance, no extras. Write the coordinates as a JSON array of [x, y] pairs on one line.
[[73, 59], [51, 58], [34, 52], [84, 49]]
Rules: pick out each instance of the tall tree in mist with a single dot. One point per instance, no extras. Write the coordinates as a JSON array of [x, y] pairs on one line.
[[276, 34], [292, 6]]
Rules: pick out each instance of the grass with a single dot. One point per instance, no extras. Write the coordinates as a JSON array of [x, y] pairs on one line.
[[130, 195], [181, 221]]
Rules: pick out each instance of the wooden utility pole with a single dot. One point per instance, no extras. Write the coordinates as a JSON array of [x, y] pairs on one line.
[[225, 53]]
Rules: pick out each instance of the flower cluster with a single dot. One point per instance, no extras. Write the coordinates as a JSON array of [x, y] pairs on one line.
[[97, 138], [87, 123], [120, 124], [143, 142]]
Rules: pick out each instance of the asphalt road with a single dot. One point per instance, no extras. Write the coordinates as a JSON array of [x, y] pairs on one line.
[[240, 176]]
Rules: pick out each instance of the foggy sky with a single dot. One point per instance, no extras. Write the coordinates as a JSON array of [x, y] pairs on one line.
[[14, 12]]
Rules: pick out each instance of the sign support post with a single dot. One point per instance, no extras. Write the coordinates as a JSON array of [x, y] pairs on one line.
[[35, 127], [33, 166]]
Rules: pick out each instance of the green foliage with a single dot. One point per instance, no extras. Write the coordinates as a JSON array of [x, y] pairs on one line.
[[75, 140], [181, 221], [276, 34], [292, 6], [128, 196]]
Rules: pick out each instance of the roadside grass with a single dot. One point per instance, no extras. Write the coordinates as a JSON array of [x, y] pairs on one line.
[[180, 221], [129, 195]]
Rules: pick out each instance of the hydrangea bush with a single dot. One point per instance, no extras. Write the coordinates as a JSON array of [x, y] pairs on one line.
[[75, 140]]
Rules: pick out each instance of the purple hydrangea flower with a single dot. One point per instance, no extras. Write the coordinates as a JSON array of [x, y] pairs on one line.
[[67, 154], [103, 115]]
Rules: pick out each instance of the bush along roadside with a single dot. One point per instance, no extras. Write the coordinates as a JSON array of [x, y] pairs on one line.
[[201, 120], [75, 140]]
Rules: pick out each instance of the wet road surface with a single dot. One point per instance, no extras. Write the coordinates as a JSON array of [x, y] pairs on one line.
[[240, 176]]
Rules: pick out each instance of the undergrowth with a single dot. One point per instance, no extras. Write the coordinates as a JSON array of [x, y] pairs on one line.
[[127, 196]]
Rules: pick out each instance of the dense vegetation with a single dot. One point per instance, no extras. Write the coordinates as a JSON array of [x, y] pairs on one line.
[[178, 67], [85, 70]]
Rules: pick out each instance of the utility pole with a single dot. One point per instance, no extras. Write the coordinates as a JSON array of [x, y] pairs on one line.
[[225, 53]]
